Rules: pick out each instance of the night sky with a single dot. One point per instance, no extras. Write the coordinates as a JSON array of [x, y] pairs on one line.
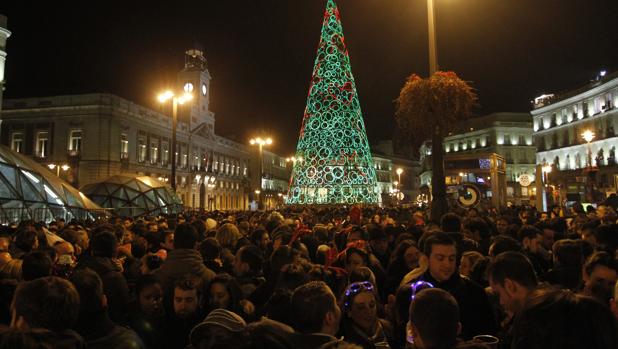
[[260, 53]]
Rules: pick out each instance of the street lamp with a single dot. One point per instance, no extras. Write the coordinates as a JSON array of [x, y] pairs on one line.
[[399, 171], [64, 167], [209, 182], [293, 159], [261, 143], [431, 31], [257, 197], [164, 97], [546, 171], [588, 137]]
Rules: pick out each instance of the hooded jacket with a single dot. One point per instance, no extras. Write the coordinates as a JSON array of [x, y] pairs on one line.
[[181, 262]]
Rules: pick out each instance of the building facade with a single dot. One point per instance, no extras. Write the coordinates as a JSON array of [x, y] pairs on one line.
[[580, 170], [4, 35], [506, 134], [274, 182], [397, 175], [96, 136]]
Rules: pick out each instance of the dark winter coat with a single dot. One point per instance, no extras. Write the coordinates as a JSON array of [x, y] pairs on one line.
[[100, 332], [114, 285], [354, 334], [182, 262], [475, 310]]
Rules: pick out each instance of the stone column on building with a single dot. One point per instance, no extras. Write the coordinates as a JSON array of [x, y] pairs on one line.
[[4, 34]]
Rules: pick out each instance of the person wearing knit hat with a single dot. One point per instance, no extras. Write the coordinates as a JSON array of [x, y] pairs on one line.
[[219, 325]]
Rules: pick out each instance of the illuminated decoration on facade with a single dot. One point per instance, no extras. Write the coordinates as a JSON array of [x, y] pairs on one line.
[[577, 140], [336, 166]]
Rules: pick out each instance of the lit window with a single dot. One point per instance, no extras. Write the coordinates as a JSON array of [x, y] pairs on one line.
[[17, 142], [141, 150], [42, 144], [124, 146], [196, 160], [165, 153], [75, 140], [154, 151]]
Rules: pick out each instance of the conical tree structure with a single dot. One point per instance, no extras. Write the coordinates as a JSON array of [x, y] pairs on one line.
[[333, 163]]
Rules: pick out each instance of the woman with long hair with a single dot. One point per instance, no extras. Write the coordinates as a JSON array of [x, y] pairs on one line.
[[360, 323]]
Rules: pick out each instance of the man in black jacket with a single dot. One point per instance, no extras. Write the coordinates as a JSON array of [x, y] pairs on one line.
[[184, 315], [47, 308], [476, 314], [104, 249], [316, 316], [94, 325], [512, 279], [183, 260], [451, 225]]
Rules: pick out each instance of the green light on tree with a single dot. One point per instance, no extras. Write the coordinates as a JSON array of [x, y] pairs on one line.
[[334, 164]]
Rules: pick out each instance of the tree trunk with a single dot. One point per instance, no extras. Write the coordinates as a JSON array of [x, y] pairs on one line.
[[439, 205]]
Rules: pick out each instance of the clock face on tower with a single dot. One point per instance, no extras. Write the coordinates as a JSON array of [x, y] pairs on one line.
[[188, 87], [204, 89]]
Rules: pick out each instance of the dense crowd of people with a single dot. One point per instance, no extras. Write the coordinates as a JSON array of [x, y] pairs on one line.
[[347, 277]]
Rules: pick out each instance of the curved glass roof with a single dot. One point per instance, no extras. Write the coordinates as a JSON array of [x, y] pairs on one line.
[[133, 195], [28, 190]]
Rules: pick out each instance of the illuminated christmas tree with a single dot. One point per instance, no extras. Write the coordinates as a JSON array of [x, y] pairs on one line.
[[333, 163]]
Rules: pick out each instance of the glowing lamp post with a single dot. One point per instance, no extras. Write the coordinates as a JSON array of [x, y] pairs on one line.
[[261, 143], [588, 136], [431, 31], [164, 97], [293, 159], [64, 167], [399, 171], [546, 171], [257, 197]]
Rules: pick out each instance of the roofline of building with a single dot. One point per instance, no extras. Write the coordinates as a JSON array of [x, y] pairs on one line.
[[583, 92]]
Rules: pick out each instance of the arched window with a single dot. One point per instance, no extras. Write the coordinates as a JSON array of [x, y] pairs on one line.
[[600, 159], [568, 162], [557, 162]]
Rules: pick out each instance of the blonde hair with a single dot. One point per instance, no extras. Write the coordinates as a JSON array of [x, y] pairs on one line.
[[11, 269], [473, 256], [228, 235]]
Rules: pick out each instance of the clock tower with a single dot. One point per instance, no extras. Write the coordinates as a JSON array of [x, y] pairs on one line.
[[195, 79]]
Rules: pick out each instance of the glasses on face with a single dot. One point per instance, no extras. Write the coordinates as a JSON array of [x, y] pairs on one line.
[[356, 288], [418, 286]]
